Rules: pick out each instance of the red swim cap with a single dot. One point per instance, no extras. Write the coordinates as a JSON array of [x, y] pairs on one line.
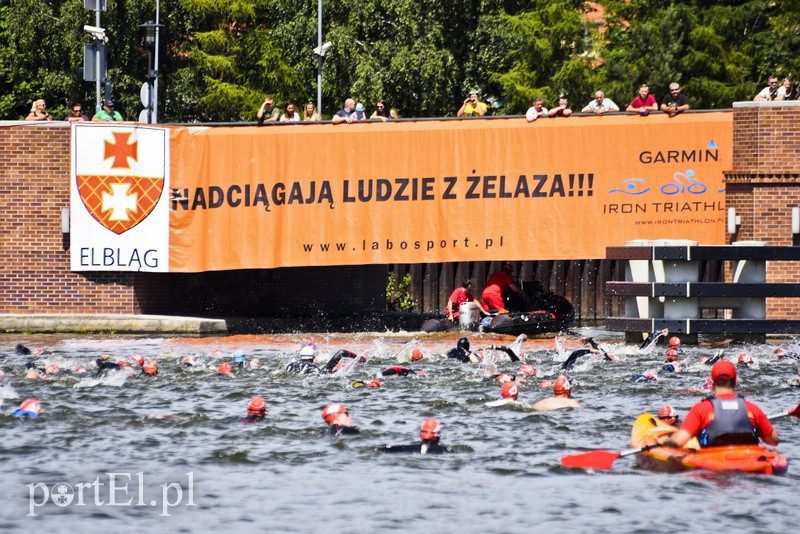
[[31, 405], [138, 360], [257, 406], [746, 359], [672, 355], [668, 414], [416, 355], [562, 387], [332, 411], [674, 341], [528, 370], [430, 431], [150, 367], [510, 390], [224, 368]]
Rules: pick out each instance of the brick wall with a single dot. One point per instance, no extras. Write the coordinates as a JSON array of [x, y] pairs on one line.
[[35, 274], [764, 186], [34, 256]]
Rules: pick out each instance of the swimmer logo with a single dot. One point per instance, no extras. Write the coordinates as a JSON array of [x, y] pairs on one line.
[[120, 202], [119, 213]]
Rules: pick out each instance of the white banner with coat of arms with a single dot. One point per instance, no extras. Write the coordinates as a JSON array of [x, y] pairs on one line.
[[119, 204]]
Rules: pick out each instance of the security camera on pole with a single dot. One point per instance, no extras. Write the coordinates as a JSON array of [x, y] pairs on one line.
[[94, 55]]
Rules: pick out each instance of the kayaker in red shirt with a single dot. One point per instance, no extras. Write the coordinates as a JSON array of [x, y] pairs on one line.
[[492, 295], [459, 295], [725, 418]]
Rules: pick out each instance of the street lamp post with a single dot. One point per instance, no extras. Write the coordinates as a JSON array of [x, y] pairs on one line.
[[319, 57], [151, 43]]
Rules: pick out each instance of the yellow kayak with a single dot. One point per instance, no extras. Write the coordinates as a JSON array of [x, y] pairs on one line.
[[745, 458]]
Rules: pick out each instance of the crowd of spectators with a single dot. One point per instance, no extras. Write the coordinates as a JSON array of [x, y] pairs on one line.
[[673, 103]]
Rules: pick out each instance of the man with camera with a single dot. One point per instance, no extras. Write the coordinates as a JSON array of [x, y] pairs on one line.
[[472, 107]]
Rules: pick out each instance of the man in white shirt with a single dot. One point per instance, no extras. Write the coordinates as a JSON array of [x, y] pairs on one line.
[[772, 91], [536, 111], [600, 104]]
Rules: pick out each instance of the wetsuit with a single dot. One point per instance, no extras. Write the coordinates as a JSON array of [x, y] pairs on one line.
[[423, 447], [330, 367], [672, 367], [570, 362], [104, 366], [397, 370], [457, 353], [22, 349], [503, 348], [31, 365], [336, 430], [302, 367]]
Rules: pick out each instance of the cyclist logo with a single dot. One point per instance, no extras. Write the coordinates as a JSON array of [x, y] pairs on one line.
[[684, 182]]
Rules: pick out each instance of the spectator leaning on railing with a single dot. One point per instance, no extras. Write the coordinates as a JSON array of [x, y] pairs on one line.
[[600, 105], [644, 103], [674, 102]]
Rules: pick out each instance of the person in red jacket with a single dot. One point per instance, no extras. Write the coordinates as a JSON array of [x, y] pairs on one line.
[[459, 295], [724, 419], [492, 295]]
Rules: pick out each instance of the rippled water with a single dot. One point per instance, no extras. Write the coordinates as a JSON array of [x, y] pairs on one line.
[[181, 428]]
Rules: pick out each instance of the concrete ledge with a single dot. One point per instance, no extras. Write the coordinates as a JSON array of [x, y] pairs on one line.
[[118, 324], [767, 104]]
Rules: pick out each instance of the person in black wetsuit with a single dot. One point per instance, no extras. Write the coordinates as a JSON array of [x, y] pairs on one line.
[[104, 365], [339, 422], [429, 441], [305, 365], [256, 411], [397, 370], [461, 352]]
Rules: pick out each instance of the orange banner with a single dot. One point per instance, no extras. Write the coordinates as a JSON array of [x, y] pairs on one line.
[[443, 191]]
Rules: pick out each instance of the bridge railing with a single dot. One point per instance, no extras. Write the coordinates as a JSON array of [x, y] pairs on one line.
[[662, 289]]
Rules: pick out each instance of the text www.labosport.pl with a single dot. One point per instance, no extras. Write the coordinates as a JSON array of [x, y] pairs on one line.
[[428, 245]]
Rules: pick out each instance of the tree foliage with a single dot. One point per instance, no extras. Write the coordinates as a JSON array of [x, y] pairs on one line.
[[220, 58]]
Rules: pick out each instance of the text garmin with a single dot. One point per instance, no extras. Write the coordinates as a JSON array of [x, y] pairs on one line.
[[679, 156], [383, 190]]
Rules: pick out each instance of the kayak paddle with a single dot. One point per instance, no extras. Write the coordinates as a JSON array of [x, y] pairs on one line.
[[605, 459], [795, 413], [600, 459]]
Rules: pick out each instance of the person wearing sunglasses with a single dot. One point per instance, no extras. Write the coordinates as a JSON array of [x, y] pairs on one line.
[[772, 91], [76, 113], [674, 102], [383, 111]]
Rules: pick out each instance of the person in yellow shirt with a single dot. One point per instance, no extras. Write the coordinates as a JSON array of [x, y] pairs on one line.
[[472, 107]]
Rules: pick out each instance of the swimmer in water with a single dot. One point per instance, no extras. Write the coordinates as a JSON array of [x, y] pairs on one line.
[[397, 370], [256, 411], [647, 377], [462, 353], [745, 361], [239, 359], [651, 340], [224, 369], [668, 414], [672, 365], [305, 365], [339, 422], [104, 365], [562, 397], [150, 368], [29, 408], [429, 436], [509, 393], [33, 372]]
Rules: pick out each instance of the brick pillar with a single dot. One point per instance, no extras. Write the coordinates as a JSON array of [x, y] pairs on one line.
[[35, 274], [764, 186]]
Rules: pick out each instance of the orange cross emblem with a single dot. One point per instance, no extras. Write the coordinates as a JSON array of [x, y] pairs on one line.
[[121, 150]]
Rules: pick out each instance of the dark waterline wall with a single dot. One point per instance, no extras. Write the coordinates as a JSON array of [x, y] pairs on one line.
[[34, 254]]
